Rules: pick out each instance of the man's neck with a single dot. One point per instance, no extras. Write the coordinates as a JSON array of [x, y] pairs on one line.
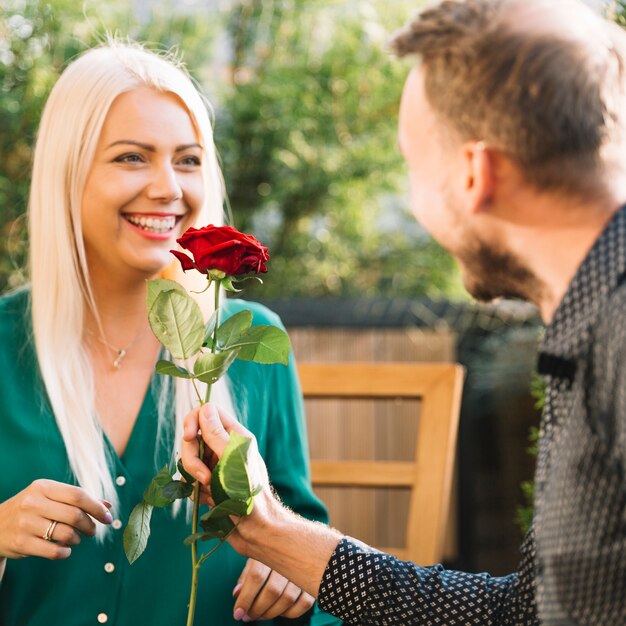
[[554, 240]]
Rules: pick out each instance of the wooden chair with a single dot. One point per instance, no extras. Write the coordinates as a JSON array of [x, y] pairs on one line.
[[438, 386]]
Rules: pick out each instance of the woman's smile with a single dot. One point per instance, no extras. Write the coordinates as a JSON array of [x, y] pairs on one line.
[[153, 225]]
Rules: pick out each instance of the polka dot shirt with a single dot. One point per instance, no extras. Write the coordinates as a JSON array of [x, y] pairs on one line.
[[573, 566]]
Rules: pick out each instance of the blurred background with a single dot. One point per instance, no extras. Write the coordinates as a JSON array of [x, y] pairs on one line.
[[305, 98]]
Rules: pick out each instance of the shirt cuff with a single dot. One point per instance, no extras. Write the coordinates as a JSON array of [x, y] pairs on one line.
[[350, 572]]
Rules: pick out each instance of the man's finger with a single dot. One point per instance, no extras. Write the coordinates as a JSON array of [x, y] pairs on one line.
[[213, 432], [191, 425]]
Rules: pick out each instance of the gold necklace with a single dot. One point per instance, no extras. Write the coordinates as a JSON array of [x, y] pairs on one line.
[[120, 353]]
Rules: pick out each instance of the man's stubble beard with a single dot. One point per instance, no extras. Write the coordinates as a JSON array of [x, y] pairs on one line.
[[490, 273]]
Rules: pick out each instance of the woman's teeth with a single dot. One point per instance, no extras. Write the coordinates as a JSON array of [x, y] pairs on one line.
[[153, 224]]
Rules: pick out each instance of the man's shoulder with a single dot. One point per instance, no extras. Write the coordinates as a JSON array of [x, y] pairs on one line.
[[609, 332], [613, 314]]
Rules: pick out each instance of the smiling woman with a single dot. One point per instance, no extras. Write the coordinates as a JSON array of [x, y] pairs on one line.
[[124, 164], [145, 184]]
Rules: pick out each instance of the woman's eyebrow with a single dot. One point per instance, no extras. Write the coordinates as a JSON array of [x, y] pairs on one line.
[[150, 147]]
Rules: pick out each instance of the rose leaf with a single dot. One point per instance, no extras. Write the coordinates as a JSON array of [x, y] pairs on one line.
[[234, 327], [137, 531], [171, 369], [177, 322], [176, 490], [211, 367], [154, 492], [263, 344], [155, 287]]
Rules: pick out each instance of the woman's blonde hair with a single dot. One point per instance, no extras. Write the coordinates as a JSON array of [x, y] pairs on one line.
[[61, 293]]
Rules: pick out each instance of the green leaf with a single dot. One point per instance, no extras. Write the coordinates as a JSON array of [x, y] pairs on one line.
[[176, 490], [217, 491], [137, 531], [210, 367], [155, 287], [228, 507], [184, 473], [177, 322], [209, 329], [197, 537], [234, 465], [218, 527], [263, 344], [168, 368], [154, 492], [227, 283], [234, 327]]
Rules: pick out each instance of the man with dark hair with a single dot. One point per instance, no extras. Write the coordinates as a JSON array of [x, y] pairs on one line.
[[511, 126]]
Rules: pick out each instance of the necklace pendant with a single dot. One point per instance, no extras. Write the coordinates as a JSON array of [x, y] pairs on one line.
[[121, 353]]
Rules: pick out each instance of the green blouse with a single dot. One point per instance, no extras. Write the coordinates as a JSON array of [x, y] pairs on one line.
[[96, 585]]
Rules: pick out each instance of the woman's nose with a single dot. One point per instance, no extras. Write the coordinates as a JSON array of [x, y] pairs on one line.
[[165, 186]]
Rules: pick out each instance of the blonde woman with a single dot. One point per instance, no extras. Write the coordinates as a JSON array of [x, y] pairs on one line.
[[124, 163]]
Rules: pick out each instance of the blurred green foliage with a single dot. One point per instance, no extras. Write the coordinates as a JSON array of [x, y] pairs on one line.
[[306, 99]]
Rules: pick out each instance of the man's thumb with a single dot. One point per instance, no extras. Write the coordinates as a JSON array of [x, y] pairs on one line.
[[213, 432]]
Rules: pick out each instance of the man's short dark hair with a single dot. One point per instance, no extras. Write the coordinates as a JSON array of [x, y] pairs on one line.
[[537, 97]]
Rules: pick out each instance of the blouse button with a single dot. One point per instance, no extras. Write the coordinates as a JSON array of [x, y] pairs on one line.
[[103, 618], [116, 524], [120, 481], [109, 568]]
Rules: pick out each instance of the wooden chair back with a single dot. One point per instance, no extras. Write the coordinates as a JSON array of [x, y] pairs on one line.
[[438, 386]]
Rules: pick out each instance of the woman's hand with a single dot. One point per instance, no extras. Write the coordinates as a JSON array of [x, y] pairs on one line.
[[27, 519], [263, 594]]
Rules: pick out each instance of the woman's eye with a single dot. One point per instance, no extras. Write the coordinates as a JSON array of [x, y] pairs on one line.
[[190, 160], [129, 158]]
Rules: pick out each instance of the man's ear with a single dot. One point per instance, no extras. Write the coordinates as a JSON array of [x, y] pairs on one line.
[[479, 179]]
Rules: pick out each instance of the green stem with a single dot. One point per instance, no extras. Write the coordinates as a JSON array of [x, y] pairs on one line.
[[195, 563]]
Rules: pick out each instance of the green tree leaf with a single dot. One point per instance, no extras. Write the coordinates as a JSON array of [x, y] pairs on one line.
[[154, 492], [177, 322], [168, 368], [211, 367], [156, 286], [234, 327], [263, 344], [137, 531], [176, 490]]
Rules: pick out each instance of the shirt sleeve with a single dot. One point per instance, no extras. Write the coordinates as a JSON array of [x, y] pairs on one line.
[[364, 586]]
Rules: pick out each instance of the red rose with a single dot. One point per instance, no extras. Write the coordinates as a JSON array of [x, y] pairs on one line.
[[221, 248]]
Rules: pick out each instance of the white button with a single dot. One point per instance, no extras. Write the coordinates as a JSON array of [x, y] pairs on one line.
[[116, 524], [120, 481], [103, 618], [109, 568]]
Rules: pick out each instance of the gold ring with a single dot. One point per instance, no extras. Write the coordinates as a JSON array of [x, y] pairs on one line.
[[50, 530]]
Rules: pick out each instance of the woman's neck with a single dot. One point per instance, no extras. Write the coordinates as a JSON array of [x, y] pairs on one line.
[[121, 309]]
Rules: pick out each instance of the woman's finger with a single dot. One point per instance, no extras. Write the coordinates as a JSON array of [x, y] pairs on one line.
[[250, 583], [76, 498], [274, 598], [303, 604]]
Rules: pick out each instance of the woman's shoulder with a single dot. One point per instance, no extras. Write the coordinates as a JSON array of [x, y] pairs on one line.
[[260, 313]]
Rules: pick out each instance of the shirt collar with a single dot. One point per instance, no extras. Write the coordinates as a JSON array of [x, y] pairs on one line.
[[597, 277]]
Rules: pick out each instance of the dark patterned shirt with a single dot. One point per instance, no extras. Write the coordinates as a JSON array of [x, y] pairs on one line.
[[573, 568]]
